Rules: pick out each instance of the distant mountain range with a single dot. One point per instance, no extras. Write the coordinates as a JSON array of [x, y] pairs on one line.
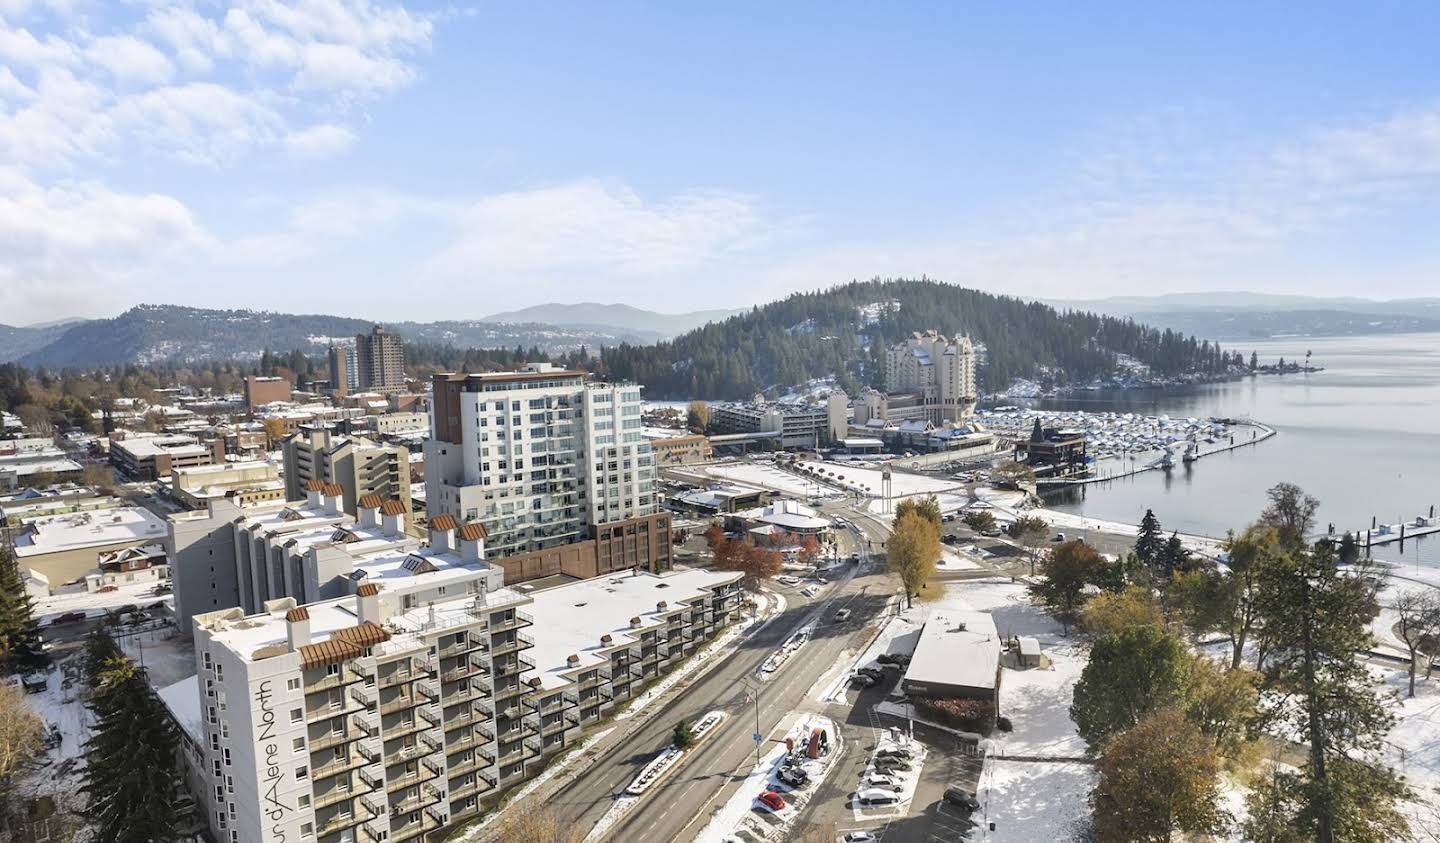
[[170, 333], [615, 316], [1241, 315]]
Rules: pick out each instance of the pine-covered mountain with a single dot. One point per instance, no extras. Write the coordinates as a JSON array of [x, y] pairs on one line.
[[842, 333], [18, 341], [621, 317], [174, 334]]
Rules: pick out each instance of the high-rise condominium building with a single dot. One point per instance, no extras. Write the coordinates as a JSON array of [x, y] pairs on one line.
[[548, 461], [359, 466], [939, 370], [344, 378], [398, 688], [379, 360]]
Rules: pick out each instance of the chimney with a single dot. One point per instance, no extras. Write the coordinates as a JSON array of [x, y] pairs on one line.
[[312, 493], [297, 627], [368, 507], [661, 606], [392, 517], [367, 604], [572, 660], [472, 542], [635, 622], [442, 533], [333, 497]]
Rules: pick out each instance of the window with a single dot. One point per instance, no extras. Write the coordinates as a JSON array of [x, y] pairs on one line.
[[307, 830], [297, 715], [292, 685], [304, 801], [299, 744], [302, 772]]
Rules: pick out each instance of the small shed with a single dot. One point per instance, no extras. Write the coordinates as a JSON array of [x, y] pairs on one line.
[[1029, 651]]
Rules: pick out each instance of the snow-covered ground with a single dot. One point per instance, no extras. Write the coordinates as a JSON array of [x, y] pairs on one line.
[[1030, 802], [766, 476], [743, 810], [859, 479]]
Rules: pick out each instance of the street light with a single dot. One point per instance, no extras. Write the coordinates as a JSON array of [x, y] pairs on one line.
[[752, 695]]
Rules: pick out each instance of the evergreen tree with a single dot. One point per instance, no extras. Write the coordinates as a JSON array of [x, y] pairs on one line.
[[1316, 618], [1149, 540], [1172, 557], [130, 762], [20, 650], [1132, 672], [1349, 552]]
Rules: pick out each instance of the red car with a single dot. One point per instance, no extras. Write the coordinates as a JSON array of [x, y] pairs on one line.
[[772, 800]]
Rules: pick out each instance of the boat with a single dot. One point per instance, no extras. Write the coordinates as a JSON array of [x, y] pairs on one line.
[[1192, 452]]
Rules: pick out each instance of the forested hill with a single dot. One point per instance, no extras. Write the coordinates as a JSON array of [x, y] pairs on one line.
[[842, 332]]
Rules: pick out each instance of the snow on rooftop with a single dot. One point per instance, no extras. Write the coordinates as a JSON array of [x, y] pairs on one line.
[[569, 619], [183, 700], [92, 528], [956, 648]]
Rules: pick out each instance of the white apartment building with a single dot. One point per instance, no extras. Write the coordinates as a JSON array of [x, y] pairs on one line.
[[940, 371], [793, 425], [543, 458], [400, 709]]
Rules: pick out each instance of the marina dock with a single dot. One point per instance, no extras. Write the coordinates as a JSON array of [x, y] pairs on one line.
[[1378, 534], [1261, 433]]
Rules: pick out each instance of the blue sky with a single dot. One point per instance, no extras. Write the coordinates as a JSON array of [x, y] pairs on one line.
[[445, 161]]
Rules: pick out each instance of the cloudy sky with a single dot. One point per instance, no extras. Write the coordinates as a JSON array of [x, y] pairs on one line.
[[452, 160]]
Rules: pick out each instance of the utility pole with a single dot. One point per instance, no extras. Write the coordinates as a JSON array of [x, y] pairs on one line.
[[753, 696]]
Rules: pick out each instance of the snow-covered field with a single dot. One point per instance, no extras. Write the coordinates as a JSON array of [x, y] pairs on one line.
[[767, 476], [867, 480], [1031, 802]]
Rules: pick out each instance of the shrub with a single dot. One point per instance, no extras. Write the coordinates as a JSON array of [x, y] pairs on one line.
[[970, 715], [1003, 724]]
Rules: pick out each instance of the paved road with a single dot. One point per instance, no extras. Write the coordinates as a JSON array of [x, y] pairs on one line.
[[677, 808]]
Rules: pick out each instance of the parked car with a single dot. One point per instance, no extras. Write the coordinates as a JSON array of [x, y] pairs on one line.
[[68, 617], [891, 765], [881, 780], [794, 776], [809, 591], [1059, 537], [895, 752], [993, 532], [893, 658], [864, 680], [789, 580], [859, 837], [842, 615], [772, 800], [962, 798], [876, 796]]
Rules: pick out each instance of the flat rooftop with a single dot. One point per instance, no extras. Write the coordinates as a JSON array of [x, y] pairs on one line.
[[143, 447], [92, 528], [956, 648], [569, 619]]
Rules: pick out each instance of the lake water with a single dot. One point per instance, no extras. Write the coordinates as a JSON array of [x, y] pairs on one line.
[[1363, 436]]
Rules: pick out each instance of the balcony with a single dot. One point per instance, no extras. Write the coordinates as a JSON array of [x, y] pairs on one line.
[[415, 726], [471, 765], [363, 695], [336, 796], [424, 746], [424, 822], [399, 677], [470, 693], [428, 795], [463, 671], [340, 822], [346, 676], [518, 620], [472, 789], [401, 703], [343, 764], [421, 775], [557, 727], [359, 730], [341, 708], [509, 692]]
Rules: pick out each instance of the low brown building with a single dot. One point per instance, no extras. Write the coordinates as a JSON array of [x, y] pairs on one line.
[[642, 543], [681, 450], [260, 391]]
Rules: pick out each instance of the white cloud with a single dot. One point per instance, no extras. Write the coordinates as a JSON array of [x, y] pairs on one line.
[[12, 88], [74, 245], [201, 122], [130, 60], [320, 141], [583, 227], [84, 94]]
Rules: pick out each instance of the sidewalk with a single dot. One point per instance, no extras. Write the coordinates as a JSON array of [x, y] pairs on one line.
[[562, 772]]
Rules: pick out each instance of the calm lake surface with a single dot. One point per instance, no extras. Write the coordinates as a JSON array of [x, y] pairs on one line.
[[1363, 436]]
